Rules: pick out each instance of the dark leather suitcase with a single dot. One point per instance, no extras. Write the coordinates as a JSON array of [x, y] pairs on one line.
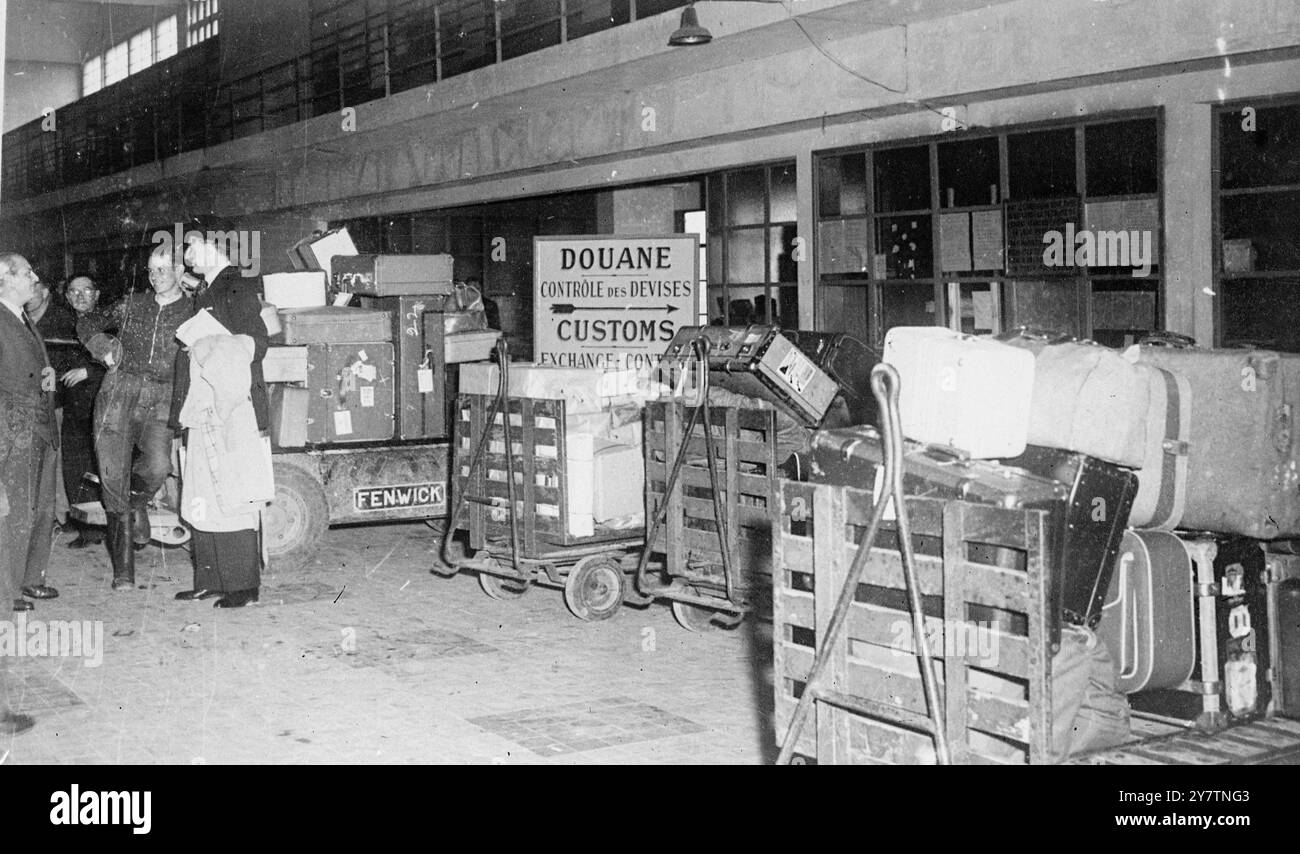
[[393, 275], [420, 414], [1236, 611], [351, 392], [1097, 510], [760, 362], [849, 362], [1284, 632]]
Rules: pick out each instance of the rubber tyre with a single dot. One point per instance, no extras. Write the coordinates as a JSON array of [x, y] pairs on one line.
[[501, 588], [296, 520], [701, 620], [594, 588]]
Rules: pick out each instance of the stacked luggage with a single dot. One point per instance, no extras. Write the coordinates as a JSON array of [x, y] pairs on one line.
[[1122, 450]]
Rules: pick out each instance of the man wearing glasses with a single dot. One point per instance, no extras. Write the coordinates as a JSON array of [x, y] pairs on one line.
[[28, 442], [136, 341]]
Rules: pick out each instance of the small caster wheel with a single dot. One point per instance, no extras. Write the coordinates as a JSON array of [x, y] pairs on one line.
[[594, 589], [502, 588], [696, 618]]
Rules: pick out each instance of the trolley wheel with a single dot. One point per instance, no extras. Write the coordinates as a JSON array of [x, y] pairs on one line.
[[295, 522], [504, 589], [699, 619], [594, 589]]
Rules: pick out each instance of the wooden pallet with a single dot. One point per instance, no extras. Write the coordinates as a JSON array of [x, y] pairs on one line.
[[995, 707], [745, 440], [538, 437]]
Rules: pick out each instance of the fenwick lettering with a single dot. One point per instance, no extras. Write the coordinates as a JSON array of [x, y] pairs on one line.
[[91, 807], [1087, 248]]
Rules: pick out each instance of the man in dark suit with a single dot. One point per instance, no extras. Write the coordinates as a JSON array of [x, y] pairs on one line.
[[28, 439]]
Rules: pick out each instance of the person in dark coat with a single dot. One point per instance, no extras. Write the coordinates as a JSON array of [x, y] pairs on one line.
[[227, 563], [57, 325], [80, 379], [29, 439]]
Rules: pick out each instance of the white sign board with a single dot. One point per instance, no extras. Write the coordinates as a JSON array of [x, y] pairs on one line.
[[611, 302]]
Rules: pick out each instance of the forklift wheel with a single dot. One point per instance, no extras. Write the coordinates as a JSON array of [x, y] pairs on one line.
[[295, 523], [502, 588], [594, 589], [696, 618]]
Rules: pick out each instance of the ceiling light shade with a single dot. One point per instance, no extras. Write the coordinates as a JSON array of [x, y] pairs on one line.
[[689, 32]]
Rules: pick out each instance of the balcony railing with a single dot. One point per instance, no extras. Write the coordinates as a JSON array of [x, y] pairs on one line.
[[361, 50]]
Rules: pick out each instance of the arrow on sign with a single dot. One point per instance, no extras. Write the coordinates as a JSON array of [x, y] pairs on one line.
[[570, 308]]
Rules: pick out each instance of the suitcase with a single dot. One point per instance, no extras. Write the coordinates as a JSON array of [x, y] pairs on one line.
[[1149, 618], [1231, 677], [1284, 633], [318, 251], [420, 414], [1162, 479], [847, 361], [393, 275], [290, 406], [352, 390], [1086, 398], [1096, 514], [1242, 467], [958, 390], [759, 362], [334, 325]]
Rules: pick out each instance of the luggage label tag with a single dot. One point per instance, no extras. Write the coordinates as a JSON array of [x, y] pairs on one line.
[[424, 374]]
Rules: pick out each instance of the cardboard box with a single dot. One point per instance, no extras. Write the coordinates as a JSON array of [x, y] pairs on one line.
[[619, 482], [285, 365], [295, 290]]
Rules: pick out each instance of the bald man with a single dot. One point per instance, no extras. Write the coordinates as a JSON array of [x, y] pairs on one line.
[[28, 439]]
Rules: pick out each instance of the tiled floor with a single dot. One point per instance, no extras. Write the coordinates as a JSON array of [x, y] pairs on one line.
[[368, 657]]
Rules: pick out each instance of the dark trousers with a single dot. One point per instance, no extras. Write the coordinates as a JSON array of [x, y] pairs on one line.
[[226, 560], [27, 533], [131, 414], [77, 440]]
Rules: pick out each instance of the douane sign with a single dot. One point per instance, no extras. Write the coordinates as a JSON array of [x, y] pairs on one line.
[[611, 302]]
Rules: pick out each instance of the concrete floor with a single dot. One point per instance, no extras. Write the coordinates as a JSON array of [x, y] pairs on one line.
[[368, 657]]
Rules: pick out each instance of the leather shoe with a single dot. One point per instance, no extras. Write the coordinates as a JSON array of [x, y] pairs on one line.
[[22, 605], [12, 724], [195, 595], [237, 599], [123, 584], [40, 591]]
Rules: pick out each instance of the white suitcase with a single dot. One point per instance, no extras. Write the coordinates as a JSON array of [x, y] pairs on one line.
[[969, 393]]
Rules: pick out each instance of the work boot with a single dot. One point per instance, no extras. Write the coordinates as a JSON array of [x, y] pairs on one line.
[[120, 550], [140, 525]]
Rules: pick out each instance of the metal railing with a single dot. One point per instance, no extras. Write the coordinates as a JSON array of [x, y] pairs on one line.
[[361, 50]]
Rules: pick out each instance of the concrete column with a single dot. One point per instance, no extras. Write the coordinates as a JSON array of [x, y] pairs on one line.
[[1189, 221], [637, 211], [804, 166]]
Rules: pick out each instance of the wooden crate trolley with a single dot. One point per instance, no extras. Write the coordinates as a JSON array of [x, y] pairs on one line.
[[524, 440], [711, 496]]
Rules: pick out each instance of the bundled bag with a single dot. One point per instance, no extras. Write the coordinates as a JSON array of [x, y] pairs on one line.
[[1088, 711], [1087, 398]]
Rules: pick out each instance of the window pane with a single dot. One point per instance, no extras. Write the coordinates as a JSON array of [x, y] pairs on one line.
[[165, 39], [1041, 164], [787, 307], [968, 173], [92, 76], [842, 247], [115, 65], [1266, 222], [781, 266], [1122, 311], [907, 245], [842, 185], [1121, 158], [745, 254], [1267, 155], [745, 194], [906, 305], [782, 203], [592, 16], [141, 51], [902, 178], [1261, 313]]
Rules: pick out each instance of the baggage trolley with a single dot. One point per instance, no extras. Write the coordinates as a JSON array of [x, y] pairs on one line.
[[534, 545]]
